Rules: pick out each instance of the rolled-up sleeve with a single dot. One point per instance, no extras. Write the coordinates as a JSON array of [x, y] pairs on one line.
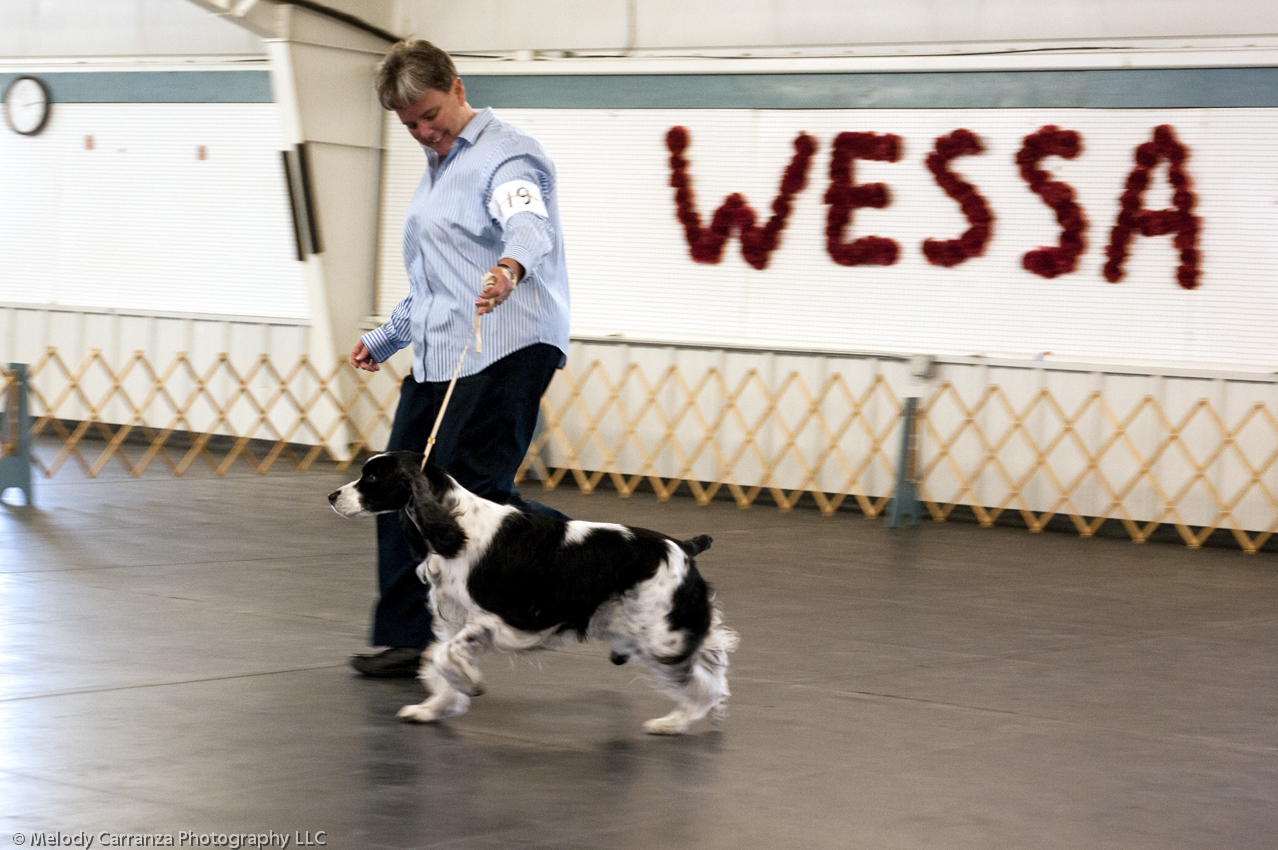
[[384, 341]]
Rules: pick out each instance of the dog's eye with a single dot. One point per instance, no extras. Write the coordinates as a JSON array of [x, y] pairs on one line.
[[370, 478]]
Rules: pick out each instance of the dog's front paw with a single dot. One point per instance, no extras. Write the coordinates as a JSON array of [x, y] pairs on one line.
[[436, 708], [418, 714], [668, 725]]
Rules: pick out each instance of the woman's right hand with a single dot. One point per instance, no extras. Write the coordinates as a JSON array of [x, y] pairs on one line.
[[362, 358]]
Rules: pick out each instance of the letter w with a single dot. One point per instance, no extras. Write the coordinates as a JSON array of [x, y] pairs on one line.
[[757, 243]]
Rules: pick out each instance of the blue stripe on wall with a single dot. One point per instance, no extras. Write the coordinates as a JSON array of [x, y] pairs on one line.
[[154, 86], [1107, 89], [1097, 89]]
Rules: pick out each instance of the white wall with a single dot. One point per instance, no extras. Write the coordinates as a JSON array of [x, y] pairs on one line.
[[854, 26], [1156, 445], [1112, 423], [632, 275], [140, 222], [736, 303], [138, 245], [252, 377], [58, 28]]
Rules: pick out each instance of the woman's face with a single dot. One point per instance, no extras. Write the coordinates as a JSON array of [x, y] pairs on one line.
[[437, 117]]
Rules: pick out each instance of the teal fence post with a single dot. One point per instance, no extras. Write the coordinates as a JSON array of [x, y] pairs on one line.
[[905, 503], [15, 430]]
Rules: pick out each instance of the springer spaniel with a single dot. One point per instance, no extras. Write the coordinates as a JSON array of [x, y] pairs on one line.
[[508, 580]]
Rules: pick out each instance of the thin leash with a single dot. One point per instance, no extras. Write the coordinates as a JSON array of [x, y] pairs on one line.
[[479, 349]]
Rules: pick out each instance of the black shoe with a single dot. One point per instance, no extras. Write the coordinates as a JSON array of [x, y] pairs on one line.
[[398, 662]]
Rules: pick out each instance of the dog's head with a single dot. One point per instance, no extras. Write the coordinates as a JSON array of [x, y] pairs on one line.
[[395, 481], [388, 482]]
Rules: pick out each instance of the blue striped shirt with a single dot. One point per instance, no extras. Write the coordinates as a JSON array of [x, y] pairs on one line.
[[452, 238]]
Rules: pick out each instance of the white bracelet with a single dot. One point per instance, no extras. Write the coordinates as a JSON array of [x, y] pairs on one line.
[[514, 275]]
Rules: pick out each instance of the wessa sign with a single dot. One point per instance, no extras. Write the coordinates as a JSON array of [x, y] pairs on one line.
[[1110, 235], [844, 196]]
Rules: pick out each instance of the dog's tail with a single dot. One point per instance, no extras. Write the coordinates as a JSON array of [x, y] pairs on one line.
[[696, 545]]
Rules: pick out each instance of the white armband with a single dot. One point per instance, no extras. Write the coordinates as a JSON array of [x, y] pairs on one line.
[[515, 197]]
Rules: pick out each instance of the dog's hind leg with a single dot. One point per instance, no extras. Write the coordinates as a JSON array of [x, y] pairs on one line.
[[700, 684], [444, 701]]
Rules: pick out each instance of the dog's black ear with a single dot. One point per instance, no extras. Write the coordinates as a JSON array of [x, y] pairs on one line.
[[438, 526], [696, 545], [416, 543]]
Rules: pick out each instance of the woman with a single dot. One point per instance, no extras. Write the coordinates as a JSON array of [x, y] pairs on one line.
[[482, 231]]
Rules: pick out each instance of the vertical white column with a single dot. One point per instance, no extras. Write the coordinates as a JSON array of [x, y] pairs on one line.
[[322, 74]]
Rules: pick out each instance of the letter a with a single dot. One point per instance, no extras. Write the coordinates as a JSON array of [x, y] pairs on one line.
[[1132, 216]]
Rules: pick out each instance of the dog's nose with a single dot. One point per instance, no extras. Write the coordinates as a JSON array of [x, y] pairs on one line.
[[332, 497]]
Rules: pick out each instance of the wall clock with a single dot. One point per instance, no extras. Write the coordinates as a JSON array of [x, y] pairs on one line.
[[26, 105]]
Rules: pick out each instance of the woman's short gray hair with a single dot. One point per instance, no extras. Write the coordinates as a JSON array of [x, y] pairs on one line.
[[410, 69]]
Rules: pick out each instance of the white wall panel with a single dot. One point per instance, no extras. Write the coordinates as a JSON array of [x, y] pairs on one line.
[[28, 332], [1170, 446], [117, 28], [138, 222], [507, 24], [632, 275], [493, 25], [402, 167]]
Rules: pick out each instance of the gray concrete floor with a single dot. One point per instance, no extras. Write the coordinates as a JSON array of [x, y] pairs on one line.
[[173, 659]]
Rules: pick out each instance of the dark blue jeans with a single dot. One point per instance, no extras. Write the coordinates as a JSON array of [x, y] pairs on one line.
[[483, 439]]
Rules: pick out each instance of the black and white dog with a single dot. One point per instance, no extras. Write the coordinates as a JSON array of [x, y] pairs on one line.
[[507, 580]]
